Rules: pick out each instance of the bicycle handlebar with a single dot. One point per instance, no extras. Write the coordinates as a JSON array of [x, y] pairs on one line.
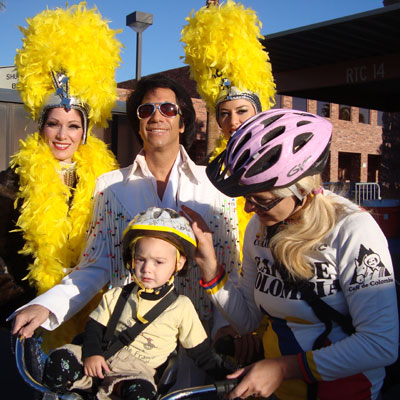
[[226, 386], [219, 387]]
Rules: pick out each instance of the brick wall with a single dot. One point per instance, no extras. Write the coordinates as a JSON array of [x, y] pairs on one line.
[[354, 137]]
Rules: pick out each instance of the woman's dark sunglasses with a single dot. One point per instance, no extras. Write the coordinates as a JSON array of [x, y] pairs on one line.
[[167, 109], [263, 207]]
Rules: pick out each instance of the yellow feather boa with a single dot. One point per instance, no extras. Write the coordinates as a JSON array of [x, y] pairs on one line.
[[243, 216], [54, 231]]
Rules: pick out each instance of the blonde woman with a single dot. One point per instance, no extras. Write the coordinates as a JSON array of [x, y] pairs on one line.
[[305, 250]]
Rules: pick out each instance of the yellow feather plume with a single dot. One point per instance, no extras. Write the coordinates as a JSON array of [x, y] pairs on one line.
[[224, 42], [75, 41]]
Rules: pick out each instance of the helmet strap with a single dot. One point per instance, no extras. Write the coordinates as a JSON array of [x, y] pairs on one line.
[[178, 257], [155, 291], [299, 201], [293, 188]]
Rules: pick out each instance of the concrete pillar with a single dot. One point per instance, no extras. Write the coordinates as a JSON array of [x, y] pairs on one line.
[[364, 167], [334, 165]]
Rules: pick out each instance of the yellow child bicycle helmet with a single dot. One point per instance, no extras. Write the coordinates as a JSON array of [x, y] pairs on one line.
[[163, 223]]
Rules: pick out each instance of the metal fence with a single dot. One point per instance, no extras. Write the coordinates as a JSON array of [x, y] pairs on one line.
[[367, 191], [357, 192]]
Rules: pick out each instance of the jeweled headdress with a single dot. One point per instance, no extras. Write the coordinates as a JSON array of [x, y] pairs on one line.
[[68, 59], [226, 57]]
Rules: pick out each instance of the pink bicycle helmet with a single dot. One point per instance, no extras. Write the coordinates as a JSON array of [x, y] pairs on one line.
[[273, 149]]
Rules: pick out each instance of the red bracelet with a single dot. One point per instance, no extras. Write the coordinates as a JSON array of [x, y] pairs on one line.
[[216, 279]]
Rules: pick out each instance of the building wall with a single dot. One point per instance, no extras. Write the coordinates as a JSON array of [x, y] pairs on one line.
[[350, 137], [355, 137]]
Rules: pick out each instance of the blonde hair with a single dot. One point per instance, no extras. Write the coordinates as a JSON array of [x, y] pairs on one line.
[[307, 227]]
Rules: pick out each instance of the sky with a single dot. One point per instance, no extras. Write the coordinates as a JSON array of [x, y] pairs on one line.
[[161, 48]]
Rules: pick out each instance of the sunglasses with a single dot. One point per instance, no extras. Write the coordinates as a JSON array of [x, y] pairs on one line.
[[263, 207], [167, 109]]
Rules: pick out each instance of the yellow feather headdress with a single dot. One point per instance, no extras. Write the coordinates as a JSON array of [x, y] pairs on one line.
[[225, 55], [68, 59]]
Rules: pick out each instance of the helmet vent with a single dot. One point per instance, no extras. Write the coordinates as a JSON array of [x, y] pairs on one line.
[[242, 159], [240, 144], [271, 120], [306, 115], [272, 134], [301, 123], [157, 213], [265, 162], [301, 140]]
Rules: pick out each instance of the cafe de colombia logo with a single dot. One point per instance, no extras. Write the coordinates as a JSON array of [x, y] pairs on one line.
[[369, 270]]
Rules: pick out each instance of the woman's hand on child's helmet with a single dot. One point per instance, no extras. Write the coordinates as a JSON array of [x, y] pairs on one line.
[[205, 255]]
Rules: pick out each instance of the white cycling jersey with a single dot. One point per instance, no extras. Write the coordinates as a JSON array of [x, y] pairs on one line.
[[354, 275]]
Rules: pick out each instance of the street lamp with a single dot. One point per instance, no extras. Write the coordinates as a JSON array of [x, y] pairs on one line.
[[139, 21]]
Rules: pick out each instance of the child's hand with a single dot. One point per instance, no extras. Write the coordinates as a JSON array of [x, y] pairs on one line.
[[94, 366]]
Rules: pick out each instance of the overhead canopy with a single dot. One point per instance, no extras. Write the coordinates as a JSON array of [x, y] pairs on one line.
[[353, 60]]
